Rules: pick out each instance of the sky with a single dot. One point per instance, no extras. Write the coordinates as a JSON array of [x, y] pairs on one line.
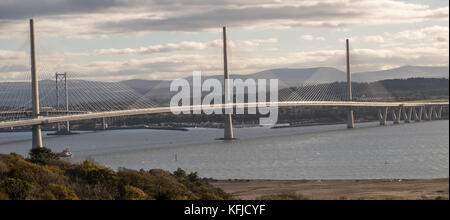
[[114, 40]]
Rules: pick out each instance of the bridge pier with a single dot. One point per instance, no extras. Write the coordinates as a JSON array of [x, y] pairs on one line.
[[410, 111], [397, 115], [435, 113], [104, 124], [418, 115], [415, 114], [407, 114], [427, 113], [382, 115], [350, 119], [431, 113], [441, 108], [37, 137]]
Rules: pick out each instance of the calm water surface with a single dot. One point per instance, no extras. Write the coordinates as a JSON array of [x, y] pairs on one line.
[[410, 151]]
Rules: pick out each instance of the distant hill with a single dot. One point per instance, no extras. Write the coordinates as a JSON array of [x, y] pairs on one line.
[[402, 73], [142, 86], [296, 77]]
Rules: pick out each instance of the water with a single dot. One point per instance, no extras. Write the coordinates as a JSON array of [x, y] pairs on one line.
[[408, 151]]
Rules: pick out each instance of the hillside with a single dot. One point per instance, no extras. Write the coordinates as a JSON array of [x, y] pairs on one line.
[[43, 177]]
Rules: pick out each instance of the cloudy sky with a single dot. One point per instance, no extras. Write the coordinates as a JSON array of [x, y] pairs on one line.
[[165, 39]]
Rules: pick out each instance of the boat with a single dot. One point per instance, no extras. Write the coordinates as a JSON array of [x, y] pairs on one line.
[[65, 153]]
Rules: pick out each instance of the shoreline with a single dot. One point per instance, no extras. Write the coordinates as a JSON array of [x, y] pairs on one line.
[[381, 189]]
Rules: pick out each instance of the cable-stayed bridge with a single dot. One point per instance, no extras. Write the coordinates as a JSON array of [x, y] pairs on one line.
[[66, 97], [403, 111]]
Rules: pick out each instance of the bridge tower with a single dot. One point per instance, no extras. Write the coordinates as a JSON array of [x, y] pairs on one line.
[[228, 135], [62, 77], [350, 118], [37, 133]]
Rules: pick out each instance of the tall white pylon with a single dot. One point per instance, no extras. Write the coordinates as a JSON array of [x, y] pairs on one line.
[[350, 118], [37, 133]]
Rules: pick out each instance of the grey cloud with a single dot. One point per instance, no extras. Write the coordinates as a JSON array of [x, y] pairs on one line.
[[236, 17], [21, 9], [130, 16]]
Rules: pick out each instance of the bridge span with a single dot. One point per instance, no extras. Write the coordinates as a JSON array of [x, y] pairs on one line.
[[407, 111]]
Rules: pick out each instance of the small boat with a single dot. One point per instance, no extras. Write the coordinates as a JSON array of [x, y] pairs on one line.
[[65, 153]]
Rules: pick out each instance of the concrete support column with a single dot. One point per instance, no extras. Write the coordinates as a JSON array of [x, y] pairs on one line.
[[428, 113], [431, 113], [397, 115], [435, 113], [104, 124], [350, 119], [382, 115], [407, 114], [37, 133], [420, 115], [440, 112], [415, 114]]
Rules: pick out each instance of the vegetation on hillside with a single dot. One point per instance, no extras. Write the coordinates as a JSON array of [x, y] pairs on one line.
[[44, 177]]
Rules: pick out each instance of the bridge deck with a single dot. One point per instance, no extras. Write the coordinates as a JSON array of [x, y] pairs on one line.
[[91, 115]]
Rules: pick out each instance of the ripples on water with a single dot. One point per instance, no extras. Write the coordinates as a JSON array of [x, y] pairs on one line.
[[409, 151]]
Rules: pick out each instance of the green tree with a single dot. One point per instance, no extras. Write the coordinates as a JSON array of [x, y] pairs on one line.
[[42, 155]]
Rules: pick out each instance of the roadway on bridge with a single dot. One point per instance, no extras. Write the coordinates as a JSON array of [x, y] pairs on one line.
[[92, 115]]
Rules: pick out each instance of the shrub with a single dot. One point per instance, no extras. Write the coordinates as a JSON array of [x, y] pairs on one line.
[[93, 181], [168, 187], [3, 168], [133, 193], [85, 191], [92, 173], [193, 177], [34, 173], [139, 179], [42, 155], [179, 173], [60, 192], [17, 189], [4, 196]]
